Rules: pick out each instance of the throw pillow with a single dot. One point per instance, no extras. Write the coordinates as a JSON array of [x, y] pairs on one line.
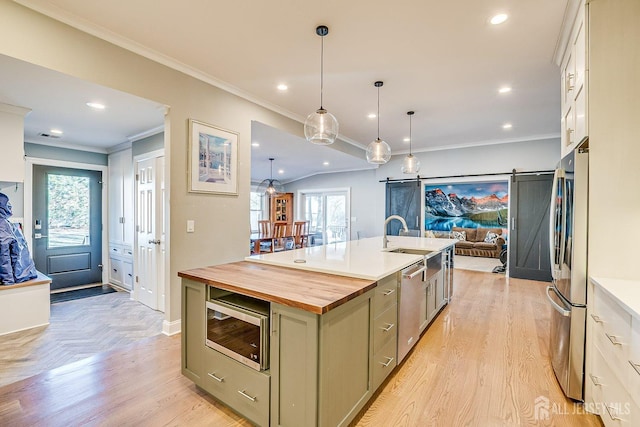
[[460, 235], [491, 237], [429, 234]]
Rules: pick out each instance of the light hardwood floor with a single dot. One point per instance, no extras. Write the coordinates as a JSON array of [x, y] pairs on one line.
[[483, 362]]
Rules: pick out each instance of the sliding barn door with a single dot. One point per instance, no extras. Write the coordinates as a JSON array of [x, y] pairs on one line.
[[529, 228]]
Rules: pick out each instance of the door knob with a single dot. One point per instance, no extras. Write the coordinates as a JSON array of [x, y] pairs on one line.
[[154, 242]]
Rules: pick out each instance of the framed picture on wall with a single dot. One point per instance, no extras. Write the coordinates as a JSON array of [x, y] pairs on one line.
[[213, 159]]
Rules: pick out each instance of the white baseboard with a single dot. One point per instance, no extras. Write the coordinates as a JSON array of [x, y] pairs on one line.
[[172, 328]]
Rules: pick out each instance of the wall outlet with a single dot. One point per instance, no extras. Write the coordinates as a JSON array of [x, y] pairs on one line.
[[191, 226]]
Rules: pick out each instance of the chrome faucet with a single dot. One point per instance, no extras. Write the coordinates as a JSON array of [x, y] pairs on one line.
[[386, 221]]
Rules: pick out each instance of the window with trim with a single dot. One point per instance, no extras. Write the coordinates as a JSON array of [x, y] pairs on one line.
[[256, 209]]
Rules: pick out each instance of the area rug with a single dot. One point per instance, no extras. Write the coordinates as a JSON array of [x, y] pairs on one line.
[[475, 263], [81, 293]]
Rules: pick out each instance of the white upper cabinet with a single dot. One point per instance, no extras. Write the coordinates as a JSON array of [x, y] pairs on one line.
[[574, 81], [121, 209], [12, 141]]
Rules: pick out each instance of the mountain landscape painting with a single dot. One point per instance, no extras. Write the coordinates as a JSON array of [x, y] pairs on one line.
[[472, 205]]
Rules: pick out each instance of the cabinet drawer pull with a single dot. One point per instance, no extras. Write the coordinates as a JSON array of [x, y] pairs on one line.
[[613, 339], [251, 398], [615, 418], [596, 318], [635, 366], [388, 328], [389, 292], [595, 380], [389, 360], [212, 375]]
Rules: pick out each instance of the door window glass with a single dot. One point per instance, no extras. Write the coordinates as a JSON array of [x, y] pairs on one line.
[[68, 211]]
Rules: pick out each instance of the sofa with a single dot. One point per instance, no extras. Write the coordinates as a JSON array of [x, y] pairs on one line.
[[476, 243]]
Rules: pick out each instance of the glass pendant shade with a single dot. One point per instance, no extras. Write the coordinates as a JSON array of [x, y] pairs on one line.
[[411, 164], [378, 152], [321, 127]]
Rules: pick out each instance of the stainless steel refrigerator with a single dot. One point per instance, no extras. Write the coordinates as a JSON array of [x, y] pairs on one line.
[[568, 292]]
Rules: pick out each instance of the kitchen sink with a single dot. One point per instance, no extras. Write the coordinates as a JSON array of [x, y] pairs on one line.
[[410, 251]]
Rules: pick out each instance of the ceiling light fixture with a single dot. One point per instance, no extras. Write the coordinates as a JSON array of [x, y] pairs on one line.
[[499, 18], [271, 186], [282, 87], [96, 105], [378, 151], [321, 127], [507, 126], [504, 89], [411, 164], [255, 144], [56, 131], [325, 163], [372, 116]]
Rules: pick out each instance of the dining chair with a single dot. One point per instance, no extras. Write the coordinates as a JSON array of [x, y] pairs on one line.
[[279, 235], [300, 233], [264, 227]]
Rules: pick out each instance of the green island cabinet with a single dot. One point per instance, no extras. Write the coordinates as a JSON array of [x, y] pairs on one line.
[[323, 367]]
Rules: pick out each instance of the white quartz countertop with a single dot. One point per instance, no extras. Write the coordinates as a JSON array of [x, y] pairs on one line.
[[627, 292], [364, 258]]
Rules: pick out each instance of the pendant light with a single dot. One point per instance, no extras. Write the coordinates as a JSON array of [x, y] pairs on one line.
[[378, 151], [321, 127], [410, 164], [271, 186]]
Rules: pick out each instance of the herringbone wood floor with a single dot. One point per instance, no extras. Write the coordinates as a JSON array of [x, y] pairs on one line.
[[78, 329], [483, 362]]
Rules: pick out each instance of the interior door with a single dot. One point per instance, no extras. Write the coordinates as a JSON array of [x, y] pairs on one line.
[[403, 198], [529, 236], [67, 225], [149, 283]]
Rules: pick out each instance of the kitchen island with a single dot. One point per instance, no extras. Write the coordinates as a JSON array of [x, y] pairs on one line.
[[332, 330]]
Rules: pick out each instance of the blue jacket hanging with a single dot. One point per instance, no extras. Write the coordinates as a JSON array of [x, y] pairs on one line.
[[16, 265]]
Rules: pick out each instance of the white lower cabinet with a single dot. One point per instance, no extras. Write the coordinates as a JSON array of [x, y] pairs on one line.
[[121, 265], [613, 371]]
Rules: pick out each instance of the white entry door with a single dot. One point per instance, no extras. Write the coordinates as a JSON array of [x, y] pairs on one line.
[[150, 242]]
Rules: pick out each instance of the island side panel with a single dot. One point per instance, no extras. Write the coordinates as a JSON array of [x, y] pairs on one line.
[[346, 352], [193, 323], [294, 366]]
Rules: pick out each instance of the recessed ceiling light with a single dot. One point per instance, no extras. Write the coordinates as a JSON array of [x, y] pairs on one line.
[[255, 144], [282, 87], [507, 126], [499, 18], [325, 163], [406, 139], [505, 89], [96, 105], [372, 116], [280, 171], [56, 131]]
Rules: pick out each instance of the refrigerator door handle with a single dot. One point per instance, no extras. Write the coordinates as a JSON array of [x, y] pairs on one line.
[[552, 222], [561, 310]]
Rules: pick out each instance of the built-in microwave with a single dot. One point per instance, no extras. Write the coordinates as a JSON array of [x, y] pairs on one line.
[[238, 326]]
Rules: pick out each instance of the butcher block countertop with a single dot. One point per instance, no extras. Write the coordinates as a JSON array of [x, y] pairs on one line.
[[307, 290]]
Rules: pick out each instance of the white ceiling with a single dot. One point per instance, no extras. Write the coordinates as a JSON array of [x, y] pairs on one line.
[[440, 58]]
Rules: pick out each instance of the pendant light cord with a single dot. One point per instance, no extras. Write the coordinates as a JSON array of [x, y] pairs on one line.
[[410, 134], [378, 112], [321, 70]]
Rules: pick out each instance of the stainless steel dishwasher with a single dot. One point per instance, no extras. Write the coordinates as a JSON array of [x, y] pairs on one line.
[[409, 310]]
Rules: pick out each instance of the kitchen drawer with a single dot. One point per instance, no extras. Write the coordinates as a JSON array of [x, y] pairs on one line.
[[610, 316], [242, 388], [115, 271], [383, 362], [612, 401], [633, 366], [385, 327], [115, 250], [616, 354], [127, 251], [127, 274], [386, 294]]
